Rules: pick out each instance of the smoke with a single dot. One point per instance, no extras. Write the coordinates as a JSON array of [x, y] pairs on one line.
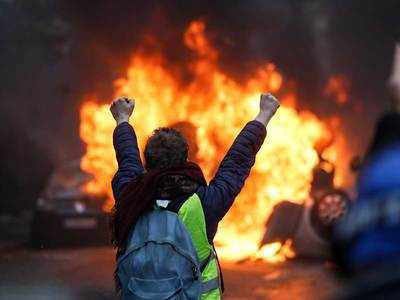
[[54, 53], [309, 41], [36, 108]]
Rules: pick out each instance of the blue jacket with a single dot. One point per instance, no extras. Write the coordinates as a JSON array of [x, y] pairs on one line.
[[222, 190], [369, 234]]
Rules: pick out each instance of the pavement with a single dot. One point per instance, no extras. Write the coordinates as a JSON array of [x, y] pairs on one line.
[[86, 273]]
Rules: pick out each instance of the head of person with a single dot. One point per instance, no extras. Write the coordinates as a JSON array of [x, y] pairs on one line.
[[165, 148], [189, 132]]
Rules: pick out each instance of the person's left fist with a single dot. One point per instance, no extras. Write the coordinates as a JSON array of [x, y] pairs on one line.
[[269, 104]]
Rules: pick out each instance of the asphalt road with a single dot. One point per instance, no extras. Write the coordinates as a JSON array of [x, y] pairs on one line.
[[86, 273]]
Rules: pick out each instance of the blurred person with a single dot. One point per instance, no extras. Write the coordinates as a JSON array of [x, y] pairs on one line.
[[367, 240], [173, 253]]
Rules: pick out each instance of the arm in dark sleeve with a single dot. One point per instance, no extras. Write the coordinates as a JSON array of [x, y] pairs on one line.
[[218, 197], [128, 157]]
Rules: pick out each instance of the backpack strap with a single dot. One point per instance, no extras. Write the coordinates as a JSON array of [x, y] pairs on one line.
[[212, 284], [209, 285], [204, 263]]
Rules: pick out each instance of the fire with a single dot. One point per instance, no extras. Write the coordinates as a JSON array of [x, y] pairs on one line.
[[219, 107], [337, 87], [276, 252]]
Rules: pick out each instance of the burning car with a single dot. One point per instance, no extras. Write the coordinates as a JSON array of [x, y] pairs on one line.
[[66, 215], [309, 226]]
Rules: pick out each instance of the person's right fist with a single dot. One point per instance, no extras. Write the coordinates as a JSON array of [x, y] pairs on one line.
[[122, 109]]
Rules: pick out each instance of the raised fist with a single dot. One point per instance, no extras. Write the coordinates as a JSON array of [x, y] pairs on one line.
[[122, 109], [268, 107], [269, 104]]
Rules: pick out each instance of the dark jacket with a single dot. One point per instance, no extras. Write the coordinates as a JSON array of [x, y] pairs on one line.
[[222, 190]]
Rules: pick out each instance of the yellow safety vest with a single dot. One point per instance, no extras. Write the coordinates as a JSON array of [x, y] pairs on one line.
[[192, 216]]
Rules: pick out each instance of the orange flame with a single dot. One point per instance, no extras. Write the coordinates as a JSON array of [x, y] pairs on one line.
[[338, 88], [219, 107]]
